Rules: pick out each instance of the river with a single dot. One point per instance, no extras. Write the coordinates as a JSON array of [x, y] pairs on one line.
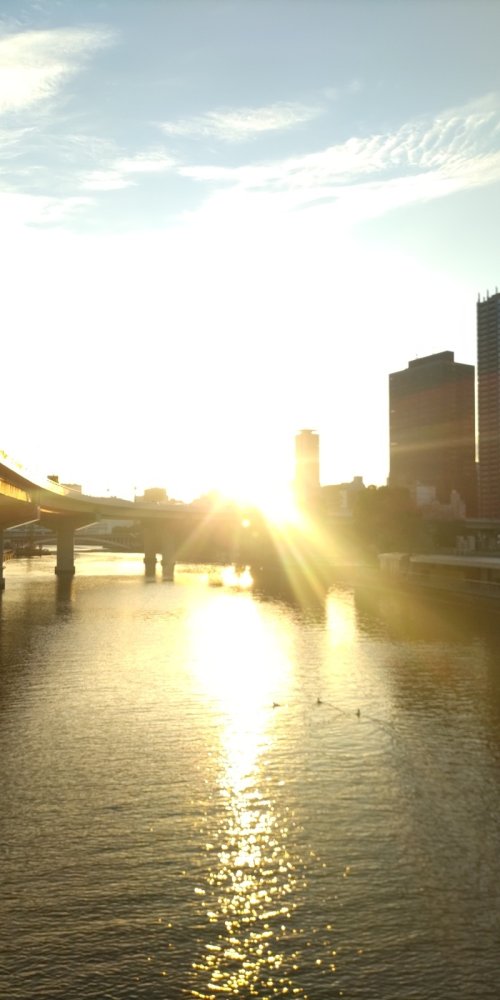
[[208, 793]]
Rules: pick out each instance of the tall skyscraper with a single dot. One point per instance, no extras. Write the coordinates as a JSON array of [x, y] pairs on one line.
[[307, 465], [488, 397], [432, 424]]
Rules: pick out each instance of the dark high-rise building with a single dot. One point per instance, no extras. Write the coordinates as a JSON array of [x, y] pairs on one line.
[[432, 424], [307, 465], [488, 399]]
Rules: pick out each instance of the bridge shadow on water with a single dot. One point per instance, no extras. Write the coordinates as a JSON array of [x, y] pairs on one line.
[[408, 616]]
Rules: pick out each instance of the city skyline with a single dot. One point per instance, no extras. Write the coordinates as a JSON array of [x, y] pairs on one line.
[[222, 222]]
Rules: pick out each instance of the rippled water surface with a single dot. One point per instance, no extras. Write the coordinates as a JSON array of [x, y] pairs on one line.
[[207, 793]]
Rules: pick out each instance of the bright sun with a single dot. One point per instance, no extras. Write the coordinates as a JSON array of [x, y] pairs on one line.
[[277, 505], [255, 474]]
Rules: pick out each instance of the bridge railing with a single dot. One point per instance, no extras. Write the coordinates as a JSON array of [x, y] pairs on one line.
[[31, 476]]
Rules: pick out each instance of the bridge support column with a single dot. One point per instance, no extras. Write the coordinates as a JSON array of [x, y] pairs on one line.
[[65, 565], [2, 581], [167, 557], [149, 552]]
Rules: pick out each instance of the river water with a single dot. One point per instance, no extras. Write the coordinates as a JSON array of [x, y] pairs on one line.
[[209, 793]]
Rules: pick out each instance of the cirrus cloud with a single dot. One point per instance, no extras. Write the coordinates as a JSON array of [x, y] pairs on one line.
[[422, 159], [237, 125], [34, 64], [120, 172]]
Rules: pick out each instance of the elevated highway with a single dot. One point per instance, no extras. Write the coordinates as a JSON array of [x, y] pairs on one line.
[[168, 528]]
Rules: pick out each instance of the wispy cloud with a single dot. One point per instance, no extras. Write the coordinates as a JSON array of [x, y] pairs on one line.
[[239, 124], [121, 172], [34, 64], [18, 210], [424, 159], [10, 140], [145, 163]]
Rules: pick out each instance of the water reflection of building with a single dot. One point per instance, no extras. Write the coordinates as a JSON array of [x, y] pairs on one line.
[[488, 386], [432, 428], [307, 476]]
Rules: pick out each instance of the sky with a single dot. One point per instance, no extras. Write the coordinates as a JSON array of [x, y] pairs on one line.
[[222, 221]]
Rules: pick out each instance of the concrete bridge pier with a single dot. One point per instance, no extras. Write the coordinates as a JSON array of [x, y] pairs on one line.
[[150, 564], [149, 551], [2, 580], [167, 557], [65, 564]]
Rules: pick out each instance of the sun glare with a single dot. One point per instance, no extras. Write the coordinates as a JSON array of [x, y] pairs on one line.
[[231, 577], [259, 475], [277, 505]]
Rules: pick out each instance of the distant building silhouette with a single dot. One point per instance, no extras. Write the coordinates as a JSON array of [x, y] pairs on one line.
[[154, 494], [74, 487], [307, 476], [432, 428], [488, 386], [340, 498]]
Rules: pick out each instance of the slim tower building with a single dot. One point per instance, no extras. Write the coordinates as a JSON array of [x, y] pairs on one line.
[[307, 465], [488, 395], [432, 427]]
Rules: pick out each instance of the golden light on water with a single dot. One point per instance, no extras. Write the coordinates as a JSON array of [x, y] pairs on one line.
[[232, 577], [340, 622], [247, 898]]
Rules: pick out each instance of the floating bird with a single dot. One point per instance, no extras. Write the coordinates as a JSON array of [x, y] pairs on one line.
[[358, 712], [276, 704], [318, 701]]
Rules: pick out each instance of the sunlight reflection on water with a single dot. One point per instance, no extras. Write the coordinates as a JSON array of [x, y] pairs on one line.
[[192, 805], [248, 895]]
